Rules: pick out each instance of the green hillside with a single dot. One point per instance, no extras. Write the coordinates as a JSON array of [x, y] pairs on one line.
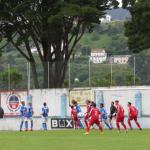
[[107, 35]]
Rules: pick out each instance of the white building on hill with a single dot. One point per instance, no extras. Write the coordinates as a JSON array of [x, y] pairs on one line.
[[106, 18], [98, 55]]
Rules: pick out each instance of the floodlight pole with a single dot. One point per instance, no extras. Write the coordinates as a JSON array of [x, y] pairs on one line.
[[111, 73], [28, 76], [89, 72], [48, 76], [9, 82], [69, 73], [134, 70]]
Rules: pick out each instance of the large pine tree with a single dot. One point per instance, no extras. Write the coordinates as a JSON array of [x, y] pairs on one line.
[[53, 26]]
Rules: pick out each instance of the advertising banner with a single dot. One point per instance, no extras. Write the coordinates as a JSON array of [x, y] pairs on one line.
[[81, 95], [62, 123], [11, 101]]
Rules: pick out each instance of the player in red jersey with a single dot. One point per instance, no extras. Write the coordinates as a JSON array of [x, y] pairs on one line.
[[120, 116], [95, 115], [133, 115], [88, 107], [74, 115]]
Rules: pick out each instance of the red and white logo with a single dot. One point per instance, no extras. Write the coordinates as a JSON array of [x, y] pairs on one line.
[[13, 102]]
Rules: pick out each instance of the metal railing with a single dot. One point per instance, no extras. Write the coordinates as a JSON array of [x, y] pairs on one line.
[[80, 72]]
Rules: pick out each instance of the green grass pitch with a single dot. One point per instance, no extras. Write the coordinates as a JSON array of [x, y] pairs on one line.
[[75, 140]]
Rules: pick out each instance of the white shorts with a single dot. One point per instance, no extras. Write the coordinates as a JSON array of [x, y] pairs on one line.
[[28, 119], [44, 119], [22, 119]]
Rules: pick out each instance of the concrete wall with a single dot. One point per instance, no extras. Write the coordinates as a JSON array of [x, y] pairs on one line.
[[52, 97], [136, 95], [58, 103], [12, 124]]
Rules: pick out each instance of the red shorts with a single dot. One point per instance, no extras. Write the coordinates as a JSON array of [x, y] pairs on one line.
[[94, 120], [75, 118], [120, 119], [86, 117], [133, 117]]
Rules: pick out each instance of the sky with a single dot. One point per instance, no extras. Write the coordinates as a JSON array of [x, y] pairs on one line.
[[119, 2]]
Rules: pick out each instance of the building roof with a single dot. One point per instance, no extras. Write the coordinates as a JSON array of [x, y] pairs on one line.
[[97, 50], [116, 56]]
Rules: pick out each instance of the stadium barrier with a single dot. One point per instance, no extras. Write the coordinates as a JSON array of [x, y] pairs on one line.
[[12, 124], [58, 101]]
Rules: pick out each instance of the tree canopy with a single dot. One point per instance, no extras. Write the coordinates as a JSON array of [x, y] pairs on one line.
[[14, 75], [138, 28], [54, 27]]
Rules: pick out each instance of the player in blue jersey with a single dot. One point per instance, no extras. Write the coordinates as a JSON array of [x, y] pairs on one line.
[[104, 116], [29, 115], [22, 114], [45, 111]]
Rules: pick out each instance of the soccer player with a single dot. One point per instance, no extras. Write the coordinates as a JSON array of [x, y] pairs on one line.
[[45, 111], [113, 113], [22, 114], [88, 107], [133, 115], [104, 115], [95, 115], [29, 114], [79, 111], [120, 116], [1, 112], [74, 115]]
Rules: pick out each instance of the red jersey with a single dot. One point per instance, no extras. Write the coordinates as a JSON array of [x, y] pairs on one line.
[[88, 107], [95, 113], [120, 111], [133, 111], [74, 113]]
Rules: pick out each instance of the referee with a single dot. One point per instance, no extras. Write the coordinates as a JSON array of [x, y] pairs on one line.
[[113, 112]]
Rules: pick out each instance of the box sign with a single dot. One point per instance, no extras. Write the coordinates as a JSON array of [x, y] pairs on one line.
[[62, 123]]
